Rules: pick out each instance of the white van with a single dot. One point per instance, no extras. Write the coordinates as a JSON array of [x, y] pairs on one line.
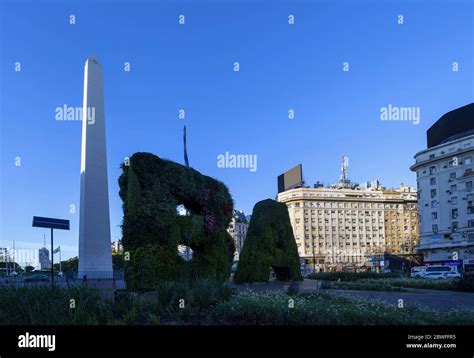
[[421, 271]]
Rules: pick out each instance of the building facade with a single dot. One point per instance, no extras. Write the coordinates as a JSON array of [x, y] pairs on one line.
[[238, 228], [339, 228], [117, 247], [44, 261], [445, 177]]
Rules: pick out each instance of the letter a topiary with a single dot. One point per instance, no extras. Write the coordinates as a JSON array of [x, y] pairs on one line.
[[269, 243], [151, 188]]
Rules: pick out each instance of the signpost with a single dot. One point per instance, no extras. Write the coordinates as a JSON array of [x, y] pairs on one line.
[[51, 223]]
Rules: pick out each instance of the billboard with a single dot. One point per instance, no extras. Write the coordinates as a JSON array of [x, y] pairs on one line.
[[452, 125], [293, 178]]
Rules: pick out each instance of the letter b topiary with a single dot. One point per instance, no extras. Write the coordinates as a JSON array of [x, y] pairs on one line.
[[151, 188]]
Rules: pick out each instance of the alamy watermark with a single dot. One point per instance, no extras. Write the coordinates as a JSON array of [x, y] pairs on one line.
[[394, 113], [245, 161], [28, 340], [68, 113]]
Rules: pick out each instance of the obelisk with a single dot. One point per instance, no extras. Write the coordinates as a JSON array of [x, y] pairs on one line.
[[95, 255]]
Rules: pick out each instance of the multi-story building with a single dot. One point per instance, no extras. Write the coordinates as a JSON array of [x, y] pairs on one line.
[[44, 261], [117, 247], [238, 228], [445, 177], [400, 221], [343, 225]]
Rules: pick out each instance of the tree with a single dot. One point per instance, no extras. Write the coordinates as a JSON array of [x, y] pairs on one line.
[[29, 268], [118, 262], [269, 244], [68, 265]]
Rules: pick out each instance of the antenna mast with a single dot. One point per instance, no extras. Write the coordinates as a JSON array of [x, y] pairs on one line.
[[186, 161]]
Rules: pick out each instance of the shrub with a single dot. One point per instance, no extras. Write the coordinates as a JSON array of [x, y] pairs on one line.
[[465, 283], [350, 276], [422, 283], [368, 285], [394, 284], [269, 244]]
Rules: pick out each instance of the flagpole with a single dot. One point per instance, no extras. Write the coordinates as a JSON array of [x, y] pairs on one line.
[[60, 259]]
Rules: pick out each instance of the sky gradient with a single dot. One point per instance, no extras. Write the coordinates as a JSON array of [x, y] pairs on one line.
[[191, 67]]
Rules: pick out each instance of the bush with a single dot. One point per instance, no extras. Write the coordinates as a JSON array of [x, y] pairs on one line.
[[422, 283], [466, 283], [269, 244], [394, 284], [366, 285], [350, 276], [163, 304]]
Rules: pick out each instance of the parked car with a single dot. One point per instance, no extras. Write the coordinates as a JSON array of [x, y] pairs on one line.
[[36, 278], [434, 275], [452, 274], [418, 271], [440, 275]]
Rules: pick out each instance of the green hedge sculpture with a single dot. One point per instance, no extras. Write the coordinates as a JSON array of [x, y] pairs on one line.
[[269, 244], [151, 188]]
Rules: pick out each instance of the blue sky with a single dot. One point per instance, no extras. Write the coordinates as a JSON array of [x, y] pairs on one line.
[[190, 66]]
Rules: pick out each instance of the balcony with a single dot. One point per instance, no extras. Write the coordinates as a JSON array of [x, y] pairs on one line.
[[445, 244]]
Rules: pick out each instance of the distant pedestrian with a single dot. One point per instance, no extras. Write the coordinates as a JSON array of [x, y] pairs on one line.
[[84, 280]]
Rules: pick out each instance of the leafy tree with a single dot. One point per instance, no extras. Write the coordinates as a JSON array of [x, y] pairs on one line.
[[118, 262], [68, 265]]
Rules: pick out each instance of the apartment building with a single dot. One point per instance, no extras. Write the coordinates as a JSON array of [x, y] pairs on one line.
[[445, 177], [341, 226], [238, 228]]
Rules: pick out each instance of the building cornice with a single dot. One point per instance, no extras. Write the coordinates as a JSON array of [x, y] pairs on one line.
[[417, 165]]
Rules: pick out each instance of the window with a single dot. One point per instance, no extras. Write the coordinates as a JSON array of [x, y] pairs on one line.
[[454, 187], [452, 176], [469, 185], [454, 226], [454, 200], [470, 199], [433, 193], [432, 181], [467, 160], [470, 223], [454, 213], [434, 215], [435, 227], [434, 204], [432, 170]]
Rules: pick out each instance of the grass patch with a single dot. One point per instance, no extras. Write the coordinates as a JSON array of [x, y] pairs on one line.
[[43, 305], [272, 308], [208, 302]]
